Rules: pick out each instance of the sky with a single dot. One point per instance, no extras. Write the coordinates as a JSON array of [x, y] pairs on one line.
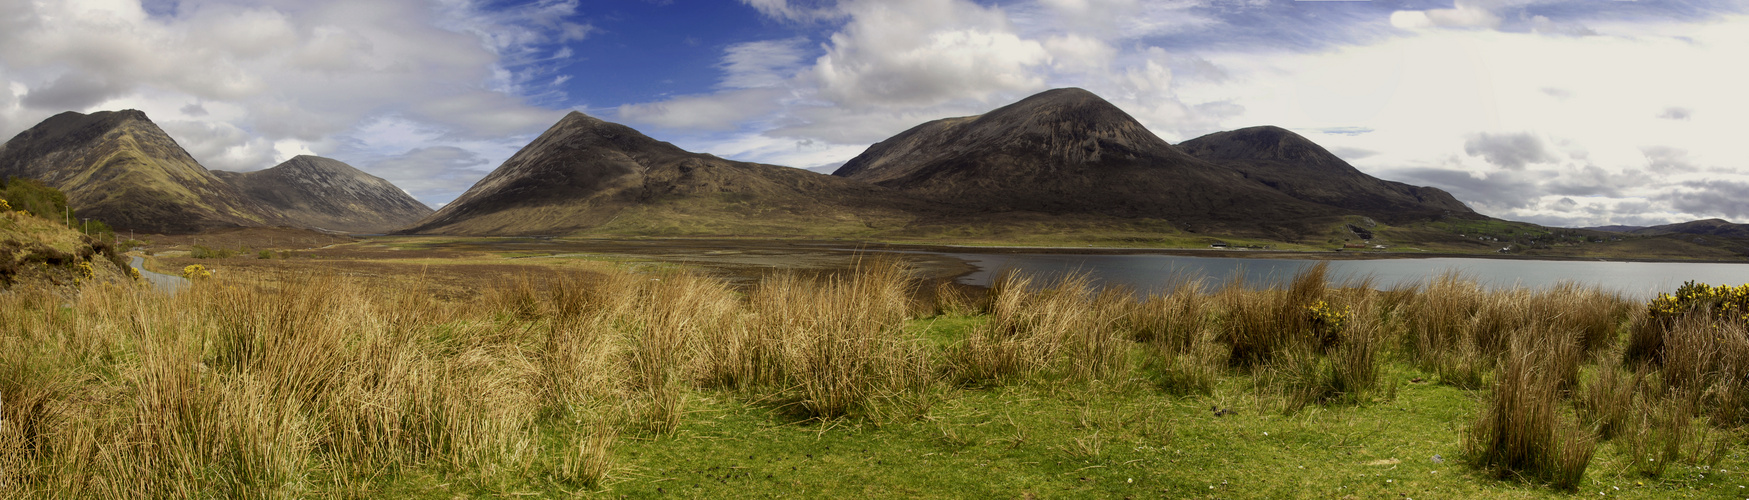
[[1561, 112]]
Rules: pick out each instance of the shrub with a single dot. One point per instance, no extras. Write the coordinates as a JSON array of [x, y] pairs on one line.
[[196, 272]]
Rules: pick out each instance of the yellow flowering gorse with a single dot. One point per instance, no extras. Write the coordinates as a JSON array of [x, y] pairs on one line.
[[196, 271], [1726, 302], [1327, 318], [86, 272]]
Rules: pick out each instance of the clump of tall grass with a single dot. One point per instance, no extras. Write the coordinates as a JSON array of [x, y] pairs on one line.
[[1259, 325], [1521, 431], [1067, 327], [1455, 328], [837, 344], [1174, 330]]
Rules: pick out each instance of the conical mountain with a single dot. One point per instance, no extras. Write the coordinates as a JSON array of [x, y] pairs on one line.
[[1300, 168], [588, 175], [119, 167], [322, 193], [1066, 152]]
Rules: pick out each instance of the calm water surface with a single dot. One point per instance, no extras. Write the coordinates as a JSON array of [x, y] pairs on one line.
[[1152, 273]]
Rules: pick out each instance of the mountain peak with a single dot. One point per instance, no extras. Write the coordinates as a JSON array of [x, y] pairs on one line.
[[328, 194], [1266, 142]]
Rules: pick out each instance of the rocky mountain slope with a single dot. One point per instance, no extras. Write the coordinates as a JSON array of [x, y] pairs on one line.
[[326, 194], [119, 167], [587, 174]]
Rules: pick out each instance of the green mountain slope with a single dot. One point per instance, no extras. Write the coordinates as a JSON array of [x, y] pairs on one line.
[[119, 167]]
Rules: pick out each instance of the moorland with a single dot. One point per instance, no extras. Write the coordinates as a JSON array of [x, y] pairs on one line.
[[347, 372]]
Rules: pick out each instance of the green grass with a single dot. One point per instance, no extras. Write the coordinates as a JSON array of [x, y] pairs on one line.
[[1075, 441]]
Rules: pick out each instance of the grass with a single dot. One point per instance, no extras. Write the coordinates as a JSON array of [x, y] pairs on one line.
[[863, 383]]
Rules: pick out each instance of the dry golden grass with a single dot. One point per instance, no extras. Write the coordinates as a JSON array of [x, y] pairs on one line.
[[1066, 329], [1522, 431], [315, 384]]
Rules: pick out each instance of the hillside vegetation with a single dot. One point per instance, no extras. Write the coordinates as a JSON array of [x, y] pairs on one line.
[[869, 384], [38, 248]]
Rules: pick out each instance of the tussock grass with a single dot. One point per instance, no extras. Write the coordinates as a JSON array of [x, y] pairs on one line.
[[836, 345], [322, 385], [1066, 329], [1521, 431]]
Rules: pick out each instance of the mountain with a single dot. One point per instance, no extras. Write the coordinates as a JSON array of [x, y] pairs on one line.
[[321, 193], [1703, 227], [1297, 167], [1615, 228], [585, 174], [119, 167], [1068, 152]]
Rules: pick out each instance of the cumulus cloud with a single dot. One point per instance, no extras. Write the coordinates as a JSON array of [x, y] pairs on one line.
[[1504, 190], [1668, 159], [1511, 150], [923, 52], [1591, 180], [1728, 198]]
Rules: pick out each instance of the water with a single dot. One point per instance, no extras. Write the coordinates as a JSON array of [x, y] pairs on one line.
[[1154, 273]]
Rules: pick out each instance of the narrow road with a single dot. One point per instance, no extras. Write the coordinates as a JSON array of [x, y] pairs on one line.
[[165, 282]]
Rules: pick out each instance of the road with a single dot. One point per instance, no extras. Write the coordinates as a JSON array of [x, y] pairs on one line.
[[164, 282]]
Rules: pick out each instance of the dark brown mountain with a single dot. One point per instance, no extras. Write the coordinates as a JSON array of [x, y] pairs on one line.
[[321, 193], [119, 167], [1067, 152], [1297, 167], [585, 174]]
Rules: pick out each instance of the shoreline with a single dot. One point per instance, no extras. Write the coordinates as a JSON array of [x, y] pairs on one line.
[[854, 246]]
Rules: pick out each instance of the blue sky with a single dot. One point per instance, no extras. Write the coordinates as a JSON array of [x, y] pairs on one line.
[[1562, 112]]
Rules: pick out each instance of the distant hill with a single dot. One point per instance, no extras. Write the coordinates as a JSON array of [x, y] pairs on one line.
[[1703, 227], [119, 167], [585, 174], [1615, 229], [1068, 152], [321, 193]]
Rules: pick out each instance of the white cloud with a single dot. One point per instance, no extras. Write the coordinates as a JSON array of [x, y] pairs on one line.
[[926, 52], [722, 111], [765, 63], [1464, 14], [796, 10]]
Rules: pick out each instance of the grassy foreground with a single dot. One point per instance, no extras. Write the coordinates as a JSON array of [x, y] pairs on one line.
[[868, 384]]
